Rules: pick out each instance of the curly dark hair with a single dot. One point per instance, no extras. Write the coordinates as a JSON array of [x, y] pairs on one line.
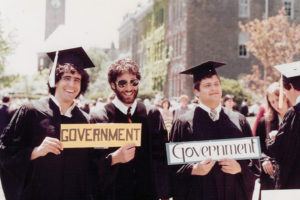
[[68, 67], [122, 66]]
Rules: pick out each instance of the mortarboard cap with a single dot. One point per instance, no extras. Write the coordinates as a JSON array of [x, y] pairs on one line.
[[203, 70], [76, 56], [63, 46], [289, 70]]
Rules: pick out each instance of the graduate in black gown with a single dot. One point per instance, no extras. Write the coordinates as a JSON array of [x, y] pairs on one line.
[[227, 179], [286, 146], [35, 164], [129, 172]]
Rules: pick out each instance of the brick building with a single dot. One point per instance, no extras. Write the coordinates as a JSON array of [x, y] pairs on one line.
[[197, 31]]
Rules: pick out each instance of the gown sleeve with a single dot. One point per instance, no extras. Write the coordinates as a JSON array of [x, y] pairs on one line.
[[15, 153]]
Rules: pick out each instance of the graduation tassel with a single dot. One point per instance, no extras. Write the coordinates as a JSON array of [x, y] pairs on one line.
[[280, 102], [52, 73]]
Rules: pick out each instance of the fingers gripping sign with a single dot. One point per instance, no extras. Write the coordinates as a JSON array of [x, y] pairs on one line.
[[202, 168], [268, 167], [230, 166], [49, 145], [123, 154]]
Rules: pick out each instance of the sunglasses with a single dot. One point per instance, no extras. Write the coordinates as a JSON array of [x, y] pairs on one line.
[[123, 83]]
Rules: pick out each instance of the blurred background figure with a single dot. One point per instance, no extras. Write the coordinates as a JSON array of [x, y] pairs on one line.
[[228, 101], [254, 109], [110, 98], [244, 108], [194, 102], [167, 114], [5, 112], [147, 103], [183, 106], [267, 126]]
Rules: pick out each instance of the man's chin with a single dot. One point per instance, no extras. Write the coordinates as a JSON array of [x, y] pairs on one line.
[[128, 101]]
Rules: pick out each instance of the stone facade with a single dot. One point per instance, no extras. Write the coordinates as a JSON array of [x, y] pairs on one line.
[[201, 30]]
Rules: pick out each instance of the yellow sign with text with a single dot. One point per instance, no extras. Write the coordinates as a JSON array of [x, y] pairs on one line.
[[102, 135]]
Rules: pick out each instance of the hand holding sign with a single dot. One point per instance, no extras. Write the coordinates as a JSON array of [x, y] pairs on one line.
[[123, 154], [268, 167], [194, 151], [49, 145], [230, 166], [202, 168]]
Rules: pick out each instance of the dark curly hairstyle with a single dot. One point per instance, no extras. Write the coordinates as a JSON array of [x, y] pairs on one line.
[[68, 67], [122, 66]]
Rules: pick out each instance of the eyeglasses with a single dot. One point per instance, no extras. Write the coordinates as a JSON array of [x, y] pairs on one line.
[[123, 83]]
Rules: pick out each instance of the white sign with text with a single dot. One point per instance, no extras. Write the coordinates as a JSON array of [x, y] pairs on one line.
[[195, 151]]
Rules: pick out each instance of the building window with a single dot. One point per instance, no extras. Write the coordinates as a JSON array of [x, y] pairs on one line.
[[244, 8], [289, 8], [242, 50], [243, 38]]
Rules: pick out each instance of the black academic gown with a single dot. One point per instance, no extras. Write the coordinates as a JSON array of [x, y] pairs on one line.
[[216, 185], [5, 116], [159, 137], [286, 150], [132, 180], [263, 128], [51, 177]]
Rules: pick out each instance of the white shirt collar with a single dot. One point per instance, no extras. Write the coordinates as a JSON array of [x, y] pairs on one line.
[[207, 109], [122, 107], [298, 100], [68, 113]]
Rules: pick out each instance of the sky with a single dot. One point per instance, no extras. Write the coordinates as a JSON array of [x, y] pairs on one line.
[[24, 22]]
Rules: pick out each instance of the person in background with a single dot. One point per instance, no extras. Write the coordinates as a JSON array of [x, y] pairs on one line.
[[228, 102], [285, 147], [34, 162], [209, 179], [166, 114], [260, 114], [130, 172], [267, 125], [244, 108], [183, 106], [5, 112]]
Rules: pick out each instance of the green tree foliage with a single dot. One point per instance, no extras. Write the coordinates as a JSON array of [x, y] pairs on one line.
[[254, 82], [7, 81], [99, 86], [5, 48], [273, 41], [32, 87], [154, 69], [233, 87]]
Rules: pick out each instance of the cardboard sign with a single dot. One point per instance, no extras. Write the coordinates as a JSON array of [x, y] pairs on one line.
[[195, 151], [102, 135], [292, 194]]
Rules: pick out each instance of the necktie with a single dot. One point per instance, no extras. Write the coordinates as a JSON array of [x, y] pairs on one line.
[[129, 115], [213, 114]]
